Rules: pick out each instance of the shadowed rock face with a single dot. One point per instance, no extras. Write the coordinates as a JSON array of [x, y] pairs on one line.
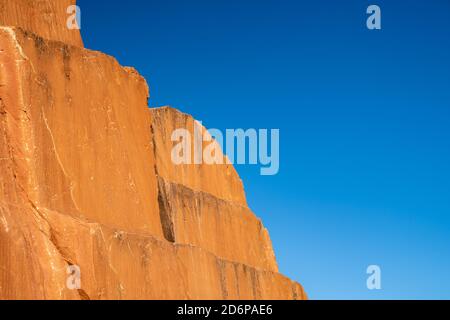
[[86, 179]]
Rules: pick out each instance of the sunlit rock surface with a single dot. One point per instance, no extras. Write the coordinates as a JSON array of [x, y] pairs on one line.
[[47, 18], [86, 179]]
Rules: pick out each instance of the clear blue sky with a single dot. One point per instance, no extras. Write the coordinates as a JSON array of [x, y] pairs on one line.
[[364, 119]]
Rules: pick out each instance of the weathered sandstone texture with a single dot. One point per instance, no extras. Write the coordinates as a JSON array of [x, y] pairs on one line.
[[86, 179], [48, 18]]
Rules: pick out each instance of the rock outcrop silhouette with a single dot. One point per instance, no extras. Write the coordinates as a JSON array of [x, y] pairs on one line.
[[86, 180]]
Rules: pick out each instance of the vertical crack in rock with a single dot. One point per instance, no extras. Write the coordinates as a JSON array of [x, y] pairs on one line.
[[255, 283], [165, 211], [83, 294], [236, 274], [223, 280]]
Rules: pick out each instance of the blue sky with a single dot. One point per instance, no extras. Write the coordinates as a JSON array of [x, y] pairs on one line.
[[364, 119]]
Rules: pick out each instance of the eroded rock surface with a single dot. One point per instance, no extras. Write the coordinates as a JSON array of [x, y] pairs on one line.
[[46, 18], [86, 179]]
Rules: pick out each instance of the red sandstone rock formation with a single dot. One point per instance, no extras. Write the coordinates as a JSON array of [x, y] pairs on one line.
[[86, 179]]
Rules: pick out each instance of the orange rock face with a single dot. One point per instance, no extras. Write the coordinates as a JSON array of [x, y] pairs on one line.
[[203, 204], [221, 181], [47, 18], [86, 180]]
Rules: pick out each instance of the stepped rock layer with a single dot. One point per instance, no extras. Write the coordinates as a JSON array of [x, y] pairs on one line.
[[86, 179], [83, 152], [205, 204], [229, 230], [222, 181]]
